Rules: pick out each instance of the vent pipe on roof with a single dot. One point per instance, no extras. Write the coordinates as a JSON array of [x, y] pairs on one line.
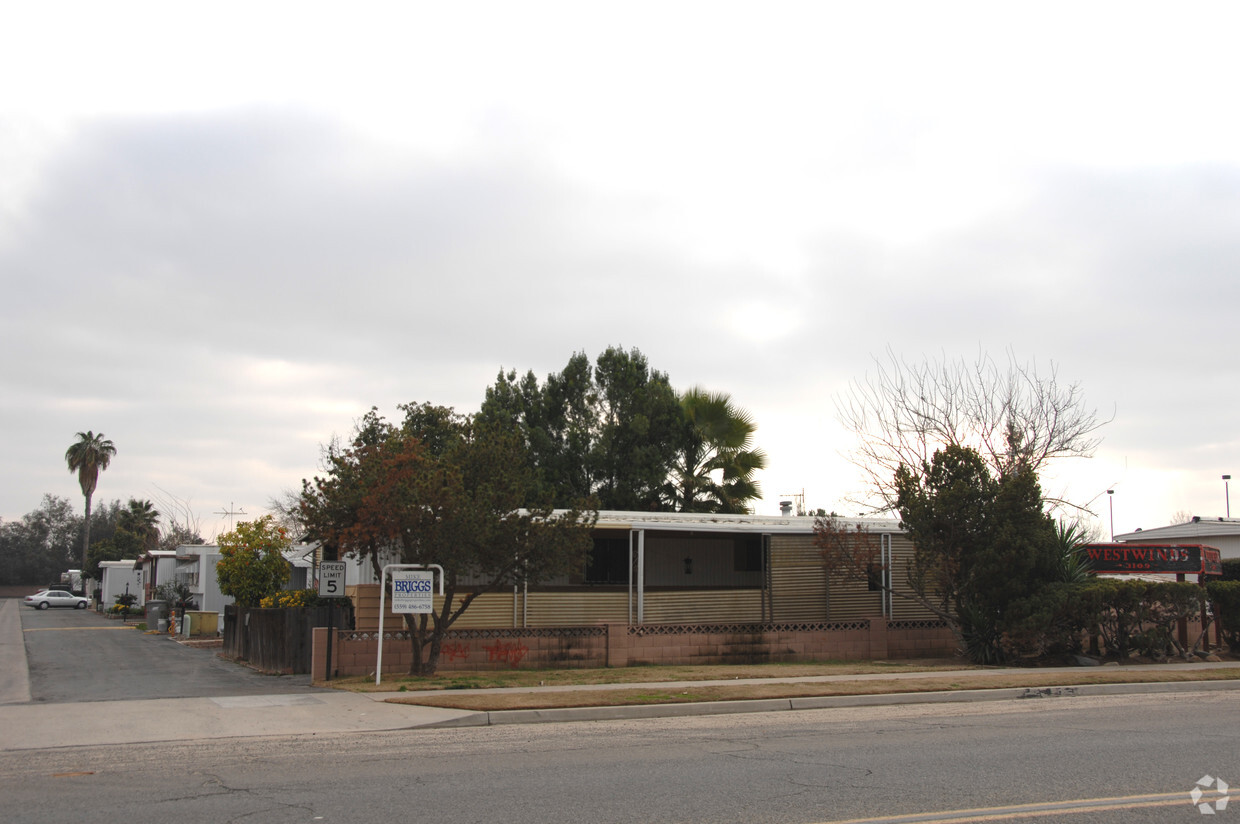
[[785, 508]]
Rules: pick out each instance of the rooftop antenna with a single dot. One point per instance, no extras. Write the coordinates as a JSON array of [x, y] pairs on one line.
[[230, 513], [798, 498]]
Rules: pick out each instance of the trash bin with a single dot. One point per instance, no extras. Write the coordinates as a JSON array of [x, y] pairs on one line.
[[157, 615]]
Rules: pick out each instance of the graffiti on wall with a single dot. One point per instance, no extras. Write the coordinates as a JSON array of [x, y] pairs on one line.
[[453, 650], [510, 653]]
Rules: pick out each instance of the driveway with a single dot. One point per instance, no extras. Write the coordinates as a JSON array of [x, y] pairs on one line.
[[78, 655]]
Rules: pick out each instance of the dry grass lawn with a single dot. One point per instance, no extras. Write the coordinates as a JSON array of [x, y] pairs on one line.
[[621, 696], [459, 690], [629, 675]]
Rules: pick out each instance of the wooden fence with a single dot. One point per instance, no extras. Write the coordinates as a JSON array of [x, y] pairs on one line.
[[277, 640]]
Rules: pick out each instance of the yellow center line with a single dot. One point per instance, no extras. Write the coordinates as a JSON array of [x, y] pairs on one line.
[[1018, 811]]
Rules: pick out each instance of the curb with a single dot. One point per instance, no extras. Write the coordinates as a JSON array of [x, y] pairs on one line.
[[633, 712]]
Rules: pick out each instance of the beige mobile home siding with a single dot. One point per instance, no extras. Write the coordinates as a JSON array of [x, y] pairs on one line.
[[544, 609], [577, 608], [800, 584], [798, 579], [494, 609], [902, 608], [687, 606], [852, 599]]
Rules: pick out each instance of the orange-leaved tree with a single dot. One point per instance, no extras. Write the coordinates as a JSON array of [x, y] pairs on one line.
[[443, 489], [251, 564]]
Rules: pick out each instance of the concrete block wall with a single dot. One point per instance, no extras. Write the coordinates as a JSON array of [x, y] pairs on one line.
[[464, 651], [920, 642], [618, 645]]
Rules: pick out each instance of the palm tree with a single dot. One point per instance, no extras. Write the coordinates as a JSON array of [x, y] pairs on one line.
[[714, 465], [1070, 557], [88, 456], [142, 519]]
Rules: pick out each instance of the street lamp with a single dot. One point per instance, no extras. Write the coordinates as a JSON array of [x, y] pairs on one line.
[[1111, 502], [1227, 494]]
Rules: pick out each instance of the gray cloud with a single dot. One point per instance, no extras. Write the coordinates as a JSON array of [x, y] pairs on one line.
[[220, 293]]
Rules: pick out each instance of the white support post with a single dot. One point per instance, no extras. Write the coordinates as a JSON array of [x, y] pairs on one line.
[[383, 605], [641, 576], [631, 561], [886, 562]]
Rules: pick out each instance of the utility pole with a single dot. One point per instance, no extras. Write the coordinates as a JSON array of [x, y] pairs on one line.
[[1111, 501]]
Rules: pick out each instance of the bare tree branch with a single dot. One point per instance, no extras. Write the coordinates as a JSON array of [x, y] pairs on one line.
[[1011, 414]]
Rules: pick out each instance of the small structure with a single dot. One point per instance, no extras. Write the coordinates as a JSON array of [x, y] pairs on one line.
[[196, 569], [1221, 533], [158, 567], [674, 588], [118, 578], [73, 580], [301, 560], [691, 568]]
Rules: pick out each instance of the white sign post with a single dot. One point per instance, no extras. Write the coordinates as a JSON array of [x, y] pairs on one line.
[[416, 593]]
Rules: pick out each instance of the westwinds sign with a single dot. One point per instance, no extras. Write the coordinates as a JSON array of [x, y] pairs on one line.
[[1192, 559]]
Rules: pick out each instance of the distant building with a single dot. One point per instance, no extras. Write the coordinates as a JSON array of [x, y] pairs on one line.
[[118, 578], [196, 569], [158, 568], [1223, 533], [301, 561]]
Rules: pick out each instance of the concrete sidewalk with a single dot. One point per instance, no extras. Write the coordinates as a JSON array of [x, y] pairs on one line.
[[14, 674], [44, 726]]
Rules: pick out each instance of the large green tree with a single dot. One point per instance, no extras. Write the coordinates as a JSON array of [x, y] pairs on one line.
[[40, 546], [251, 564], [981, 543], [714, 461], [121, 545], [602, 430], [443, 489], [89, 455]]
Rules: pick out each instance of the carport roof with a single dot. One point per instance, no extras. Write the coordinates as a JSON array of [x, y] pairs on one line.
[[707, 522]]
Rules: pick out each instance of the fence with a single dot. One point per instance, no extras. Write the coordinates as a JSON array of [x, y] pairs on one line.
[[620, 645], [277, 640]]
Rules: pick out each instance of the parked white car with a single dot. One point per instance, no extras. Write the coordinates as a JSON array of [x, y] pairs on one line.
[[55, 598]]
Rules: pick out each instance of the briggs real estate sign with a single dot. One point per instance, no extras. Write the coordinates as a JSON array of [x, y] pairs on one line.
[[413, 591]]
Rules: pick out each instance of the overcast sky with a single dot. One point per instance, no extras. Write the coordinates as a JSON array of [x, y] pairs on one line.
[[229, 229]]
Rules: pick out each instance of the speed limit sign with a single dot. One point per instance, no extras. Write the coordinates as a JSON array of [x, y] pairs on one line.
[[331, 579]]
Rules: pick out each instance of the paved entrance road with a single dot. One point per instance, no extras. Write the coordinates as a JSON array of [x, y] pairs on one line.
[[78, 655]]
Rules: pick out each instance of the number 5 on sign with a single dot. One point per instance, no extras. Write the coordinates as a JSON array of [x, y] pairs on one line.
[[331, 579]]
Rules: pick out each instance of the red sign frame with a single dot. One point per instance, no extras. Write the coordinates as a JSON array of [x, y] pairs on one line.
[[1189, 559]]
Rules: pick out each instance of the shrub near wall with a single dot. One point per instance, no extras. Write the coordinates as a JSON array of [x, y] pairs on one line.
[[1129, 616], [1231, 569], [1225, 598]]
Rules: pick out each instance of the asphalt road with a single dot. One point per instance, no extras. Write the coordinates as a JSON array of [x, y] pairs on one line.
[[78, 655], [1129, 759]]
